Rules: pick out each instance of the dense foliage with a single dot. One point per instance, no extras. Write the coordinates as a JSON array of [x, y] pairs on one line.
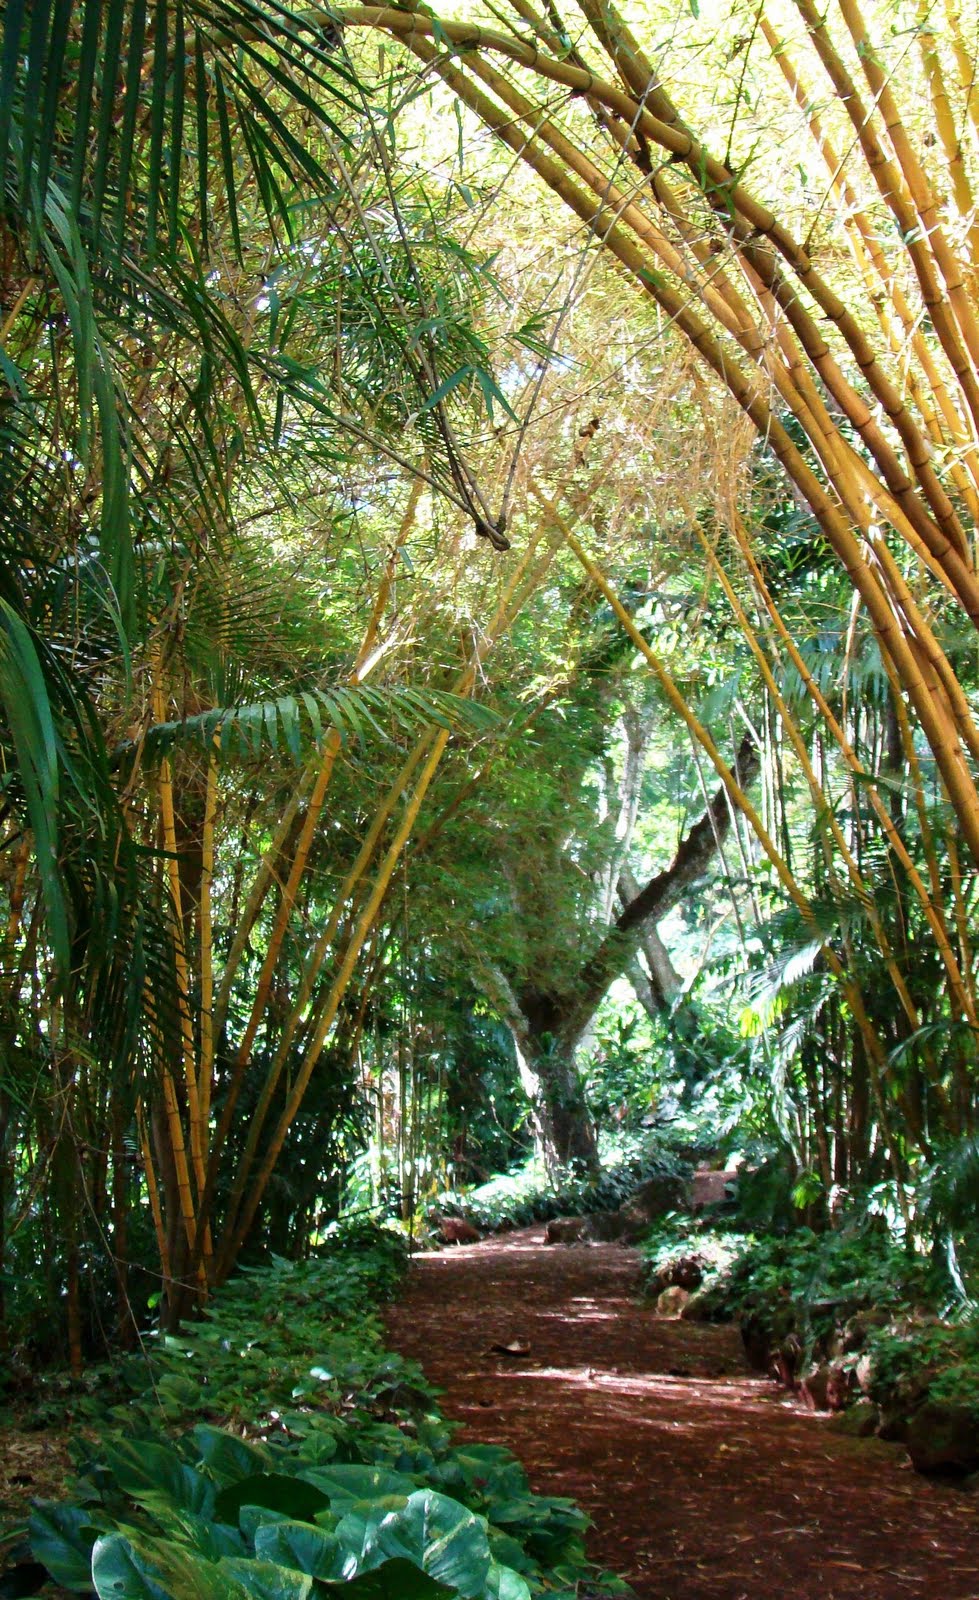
[[276, 1449], [487, 609], [865, 1324]]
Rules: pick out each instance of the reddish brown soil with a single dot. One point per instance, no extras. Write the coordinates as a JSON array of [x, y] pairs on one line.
[[702, 1483]]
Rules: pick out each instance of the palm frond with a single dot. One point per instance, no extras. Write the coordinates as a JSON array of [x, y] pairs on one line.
[[294, 723]]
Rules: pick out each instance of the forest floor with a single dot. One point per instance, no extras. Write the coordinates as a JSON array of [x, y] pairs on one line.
[[703, 1482]]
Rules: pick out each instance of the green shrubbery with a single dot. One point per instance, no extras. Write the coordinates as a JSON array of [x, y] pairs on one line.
[[276, 1450], [827, 1276], [934, 1360], [528, 1194], [851, 1313]]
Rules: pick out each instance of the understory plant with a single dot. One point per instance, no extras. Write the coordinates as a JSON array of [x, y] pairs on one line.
[[529, 1193], [276, 1450]]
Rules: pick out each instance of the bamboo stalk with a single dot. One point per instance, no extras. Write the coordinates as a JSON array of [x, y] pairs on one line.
[[947, 131], [823, 808], [951, 317], [168, 822], [920, 190], [965, 63], [322, 781], [523, 579], [363, 927], [323, 768], [932, 714], [883, 288], [931, 904], [207, 944], [153, 1193], [651, 112]]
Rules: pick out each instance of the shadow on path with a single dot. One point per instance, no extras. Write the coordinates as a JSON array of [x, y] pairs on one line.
[[702, 1483]]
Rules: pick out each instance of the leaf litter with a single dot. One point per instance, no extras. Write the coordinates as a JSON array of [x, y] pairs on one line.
[[702, 1480]]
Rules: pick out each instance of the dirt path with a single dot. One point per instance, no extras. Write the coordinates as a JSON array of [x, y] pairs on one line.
[[701, 1482]]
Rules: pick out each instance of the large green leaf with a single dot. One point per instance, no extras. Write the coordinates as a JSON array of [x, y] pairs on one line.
[[350, 1485], [436, 1534], [61, 1539], [264, 1580], [153, 1570], [300, 1545], [227, 1457], [273, 1490], [155, 1476], [505, 1584]]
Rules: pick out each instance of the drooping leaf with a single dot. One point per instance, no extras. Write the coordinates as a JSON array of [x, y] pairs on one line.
[[437, 1535], [62, 1536]]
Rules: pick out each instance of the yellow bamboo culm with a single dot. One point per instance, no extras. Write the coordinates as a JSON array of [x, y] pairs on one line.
[[363, 926], [318, 772], [822, 805], [948, 133], [153, 1193], [522, 581], [169, 828], [930, 904], [206, 1075], [899, 324]]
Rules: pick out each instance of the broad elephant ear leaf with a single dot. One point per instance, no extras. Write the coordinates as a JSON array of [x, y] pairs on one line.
[[437, 1535], [266, 1580], [123, 1569], [300, 1545], [61, 1539], [154, 1476]]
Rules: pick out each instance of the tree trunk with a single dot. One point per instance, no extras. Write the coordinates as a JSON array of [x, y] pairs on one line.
[[545, 1051], [562, 1121], [548, 1027]]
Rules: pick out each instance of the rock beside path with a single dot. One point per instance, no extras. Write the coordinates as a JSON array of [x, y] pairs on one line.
[[944, 1437]]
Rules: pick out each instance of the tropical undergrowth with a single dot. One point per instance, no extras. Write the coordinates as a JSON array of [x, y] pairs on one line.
[[529, 1192], [852, 1315], [277, 1450]]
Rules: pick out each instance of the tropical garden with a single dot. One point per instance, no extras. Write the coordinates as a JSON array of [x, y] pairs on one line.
[[488, 726]]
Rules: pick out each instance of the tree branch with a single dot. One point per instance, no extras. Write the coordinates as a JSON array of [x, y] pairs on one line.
[[659, 895]]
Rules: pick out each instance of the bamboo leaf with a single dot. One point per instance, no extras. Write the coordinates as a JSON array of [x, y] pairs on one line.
[[27, 708], [158, 115], [13, 23], [201, 97], [37, 55], [131, 104], [111, 53], [227, 159]]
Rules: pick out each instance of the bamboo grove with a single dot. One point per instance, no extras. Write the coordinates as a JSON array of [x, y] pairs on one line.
[[296, 483]]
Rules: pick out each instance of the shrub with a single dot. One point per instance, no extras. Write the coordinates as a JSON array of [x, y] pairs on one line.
[[331, 1468]]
